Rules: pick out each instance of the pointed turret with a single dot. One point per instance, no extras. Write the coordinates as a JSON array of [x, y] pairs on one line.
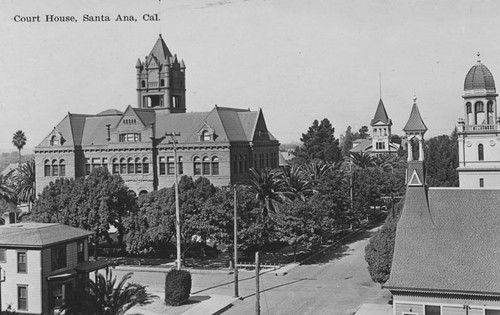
[[160, 50], [381, 115], [415, 122]]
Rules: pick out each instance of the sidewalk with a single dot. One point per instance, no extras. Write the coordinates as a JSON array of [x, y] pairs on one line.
[[197, 305]]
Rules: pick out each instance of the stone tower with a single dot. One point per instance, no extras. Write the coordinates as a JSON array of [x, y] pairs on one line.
[[161, 80], [479, 131]]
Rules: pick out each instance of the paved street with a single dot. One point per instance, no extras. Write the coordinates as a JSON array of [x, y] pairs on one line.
[[335, 283]]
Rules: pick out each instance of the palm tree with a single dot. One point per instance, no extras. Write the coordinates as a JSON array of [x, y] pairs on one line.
[[363, 159], [106, 297], [269, 187], [297, 182], [26, 183], [19, 141], [6, 192]]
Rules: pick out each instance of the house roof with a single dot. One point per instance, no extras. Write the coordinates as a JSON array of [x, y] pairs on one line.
[[362, 146], [415, 122], [449, 245], [381, 115], [38, 234]]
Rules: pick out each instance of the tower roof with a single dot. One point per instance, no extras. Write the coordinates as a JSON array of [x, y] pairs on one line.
[[415, 122], [381, 114], [479, 78], [160, 51]]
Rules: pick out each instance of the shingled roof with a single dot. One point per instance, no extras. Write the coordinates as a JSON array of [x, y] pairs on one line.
[[38, 234], [160, 51], [381, 115], [450, 245], [229, 125], [415, 122]]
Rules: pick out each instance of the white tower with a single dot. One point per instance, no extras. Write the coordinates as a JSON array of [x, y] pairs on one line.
[[479, 131]]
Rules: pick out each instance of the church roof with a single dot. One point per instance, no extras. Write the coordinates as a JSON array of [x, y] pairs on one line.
[[415, 122], [450, 244], [381, 115], [160, 51], [479, 78]]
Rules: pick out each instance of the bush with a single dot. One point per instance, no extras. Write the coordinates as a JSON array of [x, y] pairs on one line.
[[380, 250], [177, 287]]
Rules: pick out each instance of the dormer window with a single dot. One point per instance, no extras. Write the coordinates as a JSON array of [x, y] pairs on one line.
[[54, 141], [205, 136]]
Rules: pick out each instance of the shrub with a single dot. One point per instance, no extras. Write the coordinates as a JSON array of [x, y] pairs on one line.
[[177, 287], [380, 250]]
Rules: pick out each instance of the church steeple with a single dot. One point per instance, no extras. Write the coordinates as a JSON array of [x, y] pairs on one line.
[[161, 80], [415, 129]]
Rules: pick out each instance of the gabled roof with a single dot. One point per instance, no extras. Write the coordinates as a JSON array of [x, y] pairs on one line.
[[450, 246], [415, 122], [381, 115], [160, 51], [362, 146], [38, 234]]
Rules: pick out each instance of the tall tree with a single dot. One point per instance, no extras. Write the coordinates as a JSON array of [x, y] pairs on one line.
[[26, 183], [442, 160], [347, 141], [362, 133], [320, 143], [19, 141]]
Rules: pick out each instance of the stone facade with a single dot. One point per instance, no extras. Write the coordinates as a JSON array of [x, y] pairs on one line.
[[221, 144]]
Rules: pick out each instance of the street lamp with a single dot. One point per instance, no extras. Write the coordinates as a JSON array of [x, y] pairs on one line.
[[177, 214]]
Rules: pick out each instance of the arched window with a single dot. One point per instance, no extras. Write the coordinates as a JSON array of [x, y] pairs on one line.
[[123, 166], [130, 166], [55, 168], [480, 152], [116, 166], [138, 165], [143, 83], [205, 136], [479, 106], [215, 165], [206, 165], [196, 166], [46, 168], [145, 165], [162, 82], [54, 140], [62, 168], [468, 108], [489, 108]]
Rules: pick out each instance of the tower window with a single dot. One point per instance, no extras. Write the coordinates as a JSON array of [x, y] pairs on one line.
[[480, 152], [490, 107], [479, 106], [143, 83], [468, 107], [162, 82], [176, 101], [481, 182]]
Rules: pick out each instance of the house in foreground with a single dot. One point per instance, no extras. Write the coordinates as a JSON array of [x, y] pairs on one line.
[[41, 263]]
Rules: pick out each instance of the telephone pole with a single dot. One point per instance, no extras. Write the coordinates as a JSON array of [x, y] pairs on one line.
[[235, 245], [177, 214]]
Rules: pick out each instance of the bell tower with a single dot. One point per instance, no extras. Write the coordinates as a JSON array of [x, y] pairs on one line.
[[415, 129], [381, 132], [161, 80], [479, 131]]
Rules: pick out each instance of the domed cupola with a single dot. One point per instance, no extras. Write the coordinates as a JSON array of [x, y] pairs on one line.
[[479, 81]]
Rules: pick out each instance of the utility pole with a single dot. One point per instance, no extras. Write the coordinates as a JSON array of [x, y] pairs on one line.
[[257, 285], [2, 279], [235, 245], [177, 214]]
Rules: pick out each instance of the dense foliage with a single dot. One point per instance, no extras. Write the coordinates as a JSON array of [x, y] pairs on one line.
[[320, 143], [177, 287], [380, 249], [442, 160]]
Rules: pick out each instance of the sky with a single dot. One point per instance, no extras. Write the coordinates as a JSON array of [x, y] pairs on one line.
[[297, 60]]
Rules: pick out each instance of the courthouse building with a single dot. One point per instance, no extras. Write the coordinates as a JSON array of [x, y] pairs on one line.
[[447, 250], [220, 144]]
